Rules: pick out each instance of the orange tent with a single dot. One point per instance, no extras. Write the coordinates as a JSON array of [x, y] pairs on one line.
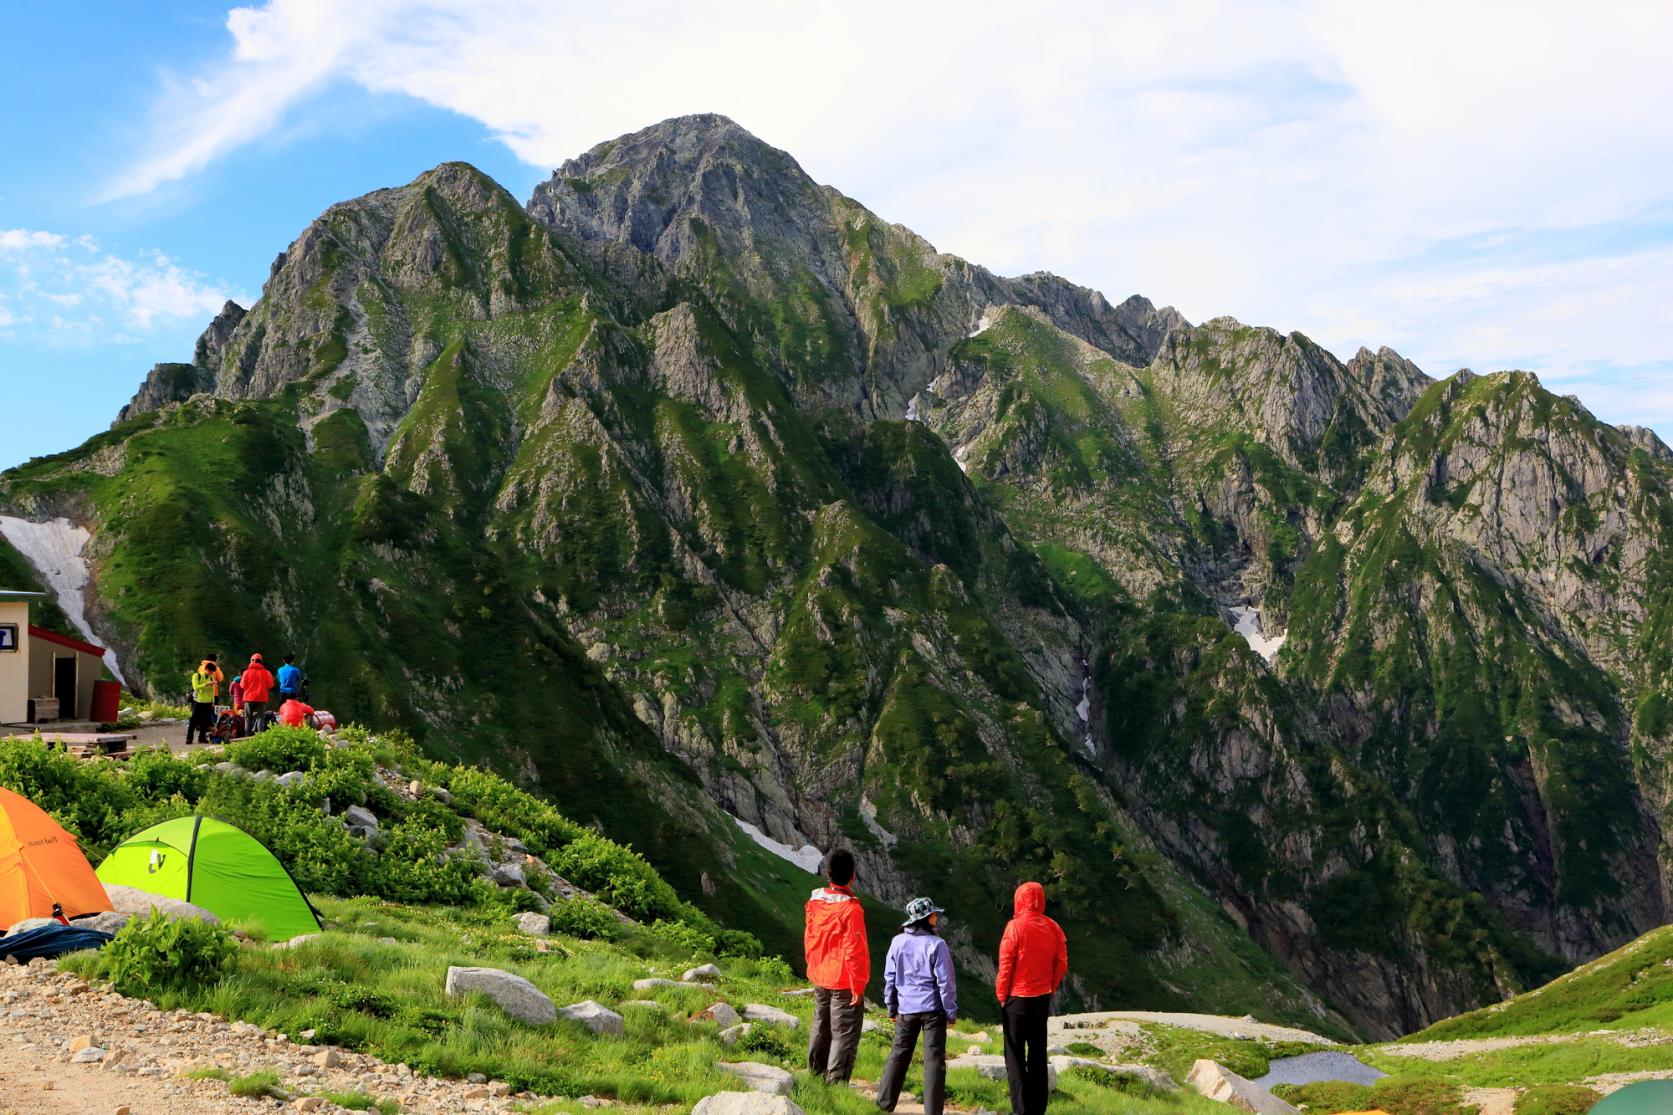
[[40, 865]]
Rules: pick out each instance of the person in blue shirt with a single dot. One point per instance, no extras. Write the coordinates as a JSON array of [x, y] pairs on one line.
[[921, 995], [290, 679]]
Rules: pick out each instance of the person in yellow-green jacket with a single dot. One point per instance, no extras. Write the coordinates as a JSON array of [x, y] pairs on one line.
[[203, 682]]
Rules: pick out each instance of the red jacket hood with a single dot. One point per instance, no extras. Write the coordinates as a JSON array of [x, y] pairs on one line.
[[1029, 899]]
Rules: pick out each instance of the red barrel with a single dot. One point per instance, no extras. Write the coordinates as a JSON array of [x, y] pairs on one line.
[[107, 701]]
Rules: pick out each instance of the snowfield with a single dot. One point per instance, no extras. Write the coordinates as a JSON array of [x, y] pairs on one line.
[[54, 548], [807, 857]]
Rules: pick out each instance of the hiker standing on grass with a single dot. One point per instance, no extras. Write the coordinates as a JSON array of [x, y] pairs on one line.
[[921, 995], [258, 686], [839, 967], [203, 684], [1033, 959]]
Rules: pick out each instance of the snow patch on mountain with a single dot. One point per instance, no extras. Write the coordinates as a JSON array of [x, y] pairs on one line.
[[55, 549], [1246, 621], [807, 857]]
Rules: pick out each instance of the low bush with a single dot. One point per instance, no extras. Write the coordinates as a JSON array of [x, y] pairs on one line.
[[279, 749], [1557, 1099], [582, 917], [156, 954]]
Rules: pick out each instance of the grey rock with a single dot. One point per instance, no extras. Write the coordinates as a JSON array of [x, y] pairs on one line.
[[27, 924], [721, 1014], [703, 973], [90, 1055], [653, 983], [229, 768], [745, 1103], [508, 875], [111, 921], [358, 816], [515, 995], [596, 1017], [760, 1078], [732, 1035], [299, 939], [135, 902], [441, 795], [1155, 1078], [535, 925], [759, 1012], [291, 778]]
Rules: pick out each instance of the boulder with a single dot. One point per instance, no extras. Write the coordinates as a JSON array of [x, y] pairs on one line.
[[732, 1035], [1217, 1082], [508, 875], [27, 924], [291, 778], [299, 939], [111, 921], [652, 984], [745, 1103], [229, 768], [358, 816], [135, 902], [759, 1012], [992, 1066], [595, 1017], [721, 1014], [703, 973], [760, 1078], [535, 925], [869, 1026], [515, 995]]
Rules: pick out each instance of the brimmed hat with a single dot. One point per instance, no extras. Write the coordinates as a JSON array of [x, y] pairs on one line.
[[920, 908]]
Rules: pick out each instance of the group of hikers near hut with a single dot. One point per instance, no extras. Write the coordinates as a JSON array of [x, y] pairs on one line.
[[920, 990], [251, 693]]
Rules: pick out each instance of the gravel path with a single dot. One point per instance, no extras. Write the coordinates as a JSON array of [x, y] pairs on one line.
[[70, 1048], [1129, 1021], [1448, 1050]]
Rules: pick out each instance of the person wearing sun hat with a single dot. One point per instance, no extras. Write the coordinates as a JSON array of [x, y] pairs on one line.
[[921, 995]]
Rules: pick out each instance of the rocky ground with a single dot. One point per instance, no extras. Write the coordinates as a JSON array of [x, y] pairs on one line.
[[69, 1047]]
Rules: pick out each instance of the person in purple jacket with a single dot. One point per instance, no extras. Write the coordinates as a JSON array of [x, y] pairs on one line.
[[921, 996]]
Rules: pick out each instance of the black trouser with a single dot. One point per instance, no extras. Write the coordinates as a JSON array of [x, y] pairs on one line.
[[202, 721], [837, 1019], [255, 717], [934, 1027], [1025, 1051]]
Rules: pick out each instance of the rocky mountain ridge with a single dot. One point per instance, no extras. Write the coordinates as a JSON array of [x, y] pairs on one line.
[[874, 545]]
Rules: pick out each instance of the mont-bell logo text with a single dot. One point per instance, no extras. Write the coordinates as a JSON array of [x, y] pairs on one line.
[[43, 840]]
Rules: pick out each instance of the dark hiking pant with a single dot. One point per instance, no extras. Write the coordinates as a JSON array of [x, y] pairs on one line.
[[255, 717], [202, 721], [1025, 1051], [933, 1024], [837, 1018]]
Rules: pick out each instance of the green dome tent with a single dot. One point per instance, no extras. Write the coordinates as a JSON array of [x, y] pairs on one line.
[[211, 864]]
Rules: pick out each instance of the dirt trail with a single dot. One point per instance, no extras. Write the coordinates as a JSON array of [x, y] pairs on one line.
[[1128, 1021], [1464, 1047], [69, 1048]]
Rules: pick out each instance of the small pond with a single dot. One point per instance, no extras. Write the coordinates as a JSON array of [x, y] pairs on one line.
[[1314, 1068]]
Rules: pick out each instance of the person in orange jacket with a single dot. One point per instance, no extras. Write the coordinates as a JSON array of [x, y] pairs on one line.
[[839, 967], [258, 686], [1033, 959]]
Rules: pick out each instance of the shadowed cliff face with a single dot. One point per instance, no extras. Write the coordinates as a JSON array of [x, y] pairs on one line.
[[695, 489]]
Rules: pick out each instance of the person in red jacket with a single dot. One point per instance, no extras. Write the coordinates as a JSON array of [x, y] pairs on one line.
[[838, 966], [294, 714], [258, 686], [1033, 959]]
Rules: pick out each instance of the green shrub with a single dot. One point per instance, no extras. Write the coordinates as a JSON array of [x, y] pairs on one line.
[[1127, 1083], [1083, 1049], [582, 917], [256, 1085], [1557, 1099], [279, 749], [766, 1042], [154, 954], [687, 939], [1327, 1095], [1420, 1097]]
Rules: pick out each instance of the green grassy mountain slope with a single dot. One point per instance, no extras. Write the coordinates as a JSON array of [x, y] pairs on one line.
[[692, 492]]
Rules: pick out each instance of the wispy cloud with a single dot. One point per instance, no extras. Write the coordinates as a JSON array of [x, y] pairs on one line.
[[1366, 173], [62, 290]]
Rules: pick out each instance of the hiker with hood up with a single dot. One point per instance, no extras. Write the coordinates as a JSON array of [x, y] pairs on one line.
[[921, 995], [839, 967], [1033, 959], [258, 686]]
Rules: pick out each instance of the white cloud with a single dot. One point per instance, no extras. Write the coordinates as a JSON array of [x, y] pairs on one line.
[[22, 239], [1314, 165], [63, 290]]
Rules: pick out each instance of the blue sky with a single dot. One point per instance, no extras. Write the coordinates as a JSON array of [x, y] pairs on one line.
[[1485, 186]]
